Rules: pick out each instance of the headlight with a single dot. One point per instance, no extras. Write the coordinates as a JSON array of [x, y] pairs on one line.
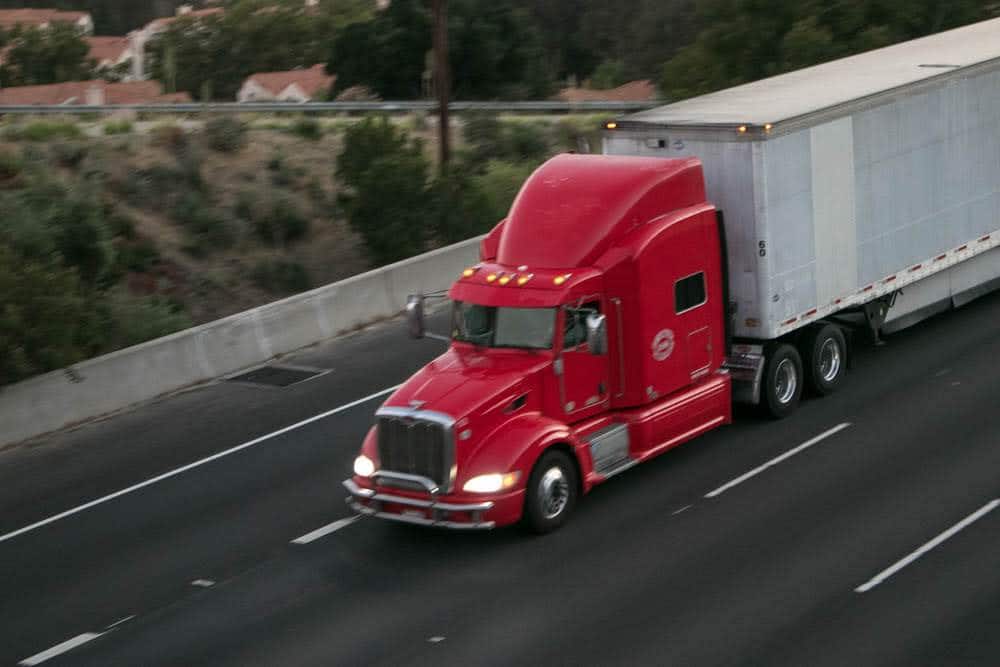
[[363, 466], [491, 483]]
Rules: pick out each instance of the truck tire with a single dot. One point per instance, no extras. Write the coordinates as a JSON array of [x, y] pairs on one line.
[[824, 357], [552, 493], [782, 386]]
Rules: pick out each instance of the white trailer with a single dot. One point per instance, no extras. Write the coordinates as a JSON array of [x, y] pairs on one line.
[[867, 184]]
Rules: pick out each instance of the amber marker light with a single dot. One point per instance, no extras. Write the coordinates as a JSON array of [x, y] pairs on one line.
[[742, 129], [559, 280], [504, 280], [524, 279], [768, 127], [611, 125], [468, 273], [490, 278]]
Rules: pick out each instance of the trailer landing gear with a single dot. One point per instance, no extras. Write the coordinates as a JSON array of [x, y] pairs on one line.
[[875, 313]]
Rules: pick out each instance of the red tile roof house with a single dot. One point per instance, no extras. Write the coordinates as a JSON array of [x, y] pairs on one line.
[[43, 18], [634, 91], [110, 52], [300, 85], [90, 93]]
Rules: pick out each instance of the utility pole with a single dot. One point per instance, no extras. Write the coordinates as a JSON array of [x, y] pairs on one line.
[[442, 78]]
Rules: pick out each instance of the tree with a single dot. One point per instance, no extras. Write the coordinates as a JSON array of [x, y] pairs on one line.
[[39, 56], [389, 202], [745, 40], [386, 53]]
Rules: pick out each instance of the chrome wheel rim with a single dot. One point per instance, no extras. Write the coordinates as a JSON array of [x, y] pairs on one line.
[[554, 492], [785, 381], [829, 360]]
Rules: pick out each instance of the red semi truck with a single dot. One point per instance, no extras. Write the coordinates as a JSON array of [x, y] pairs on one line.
[[617, 313]]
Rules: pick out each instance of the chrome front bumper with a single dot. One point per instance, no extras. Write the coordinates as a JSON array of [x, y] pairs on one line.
[[437, 510]]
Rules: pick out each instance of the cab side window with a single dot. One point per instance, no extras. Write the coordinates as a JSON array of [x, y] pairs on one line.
[[689, 292], [575, 327]]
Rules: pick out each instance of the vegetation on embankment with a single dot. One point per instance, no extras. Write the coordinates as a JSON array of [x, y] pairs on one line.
[[118, 231]]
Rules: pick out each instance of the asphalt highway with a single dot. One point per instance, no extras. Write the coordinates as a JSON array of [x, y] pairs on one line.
[[210, 528]]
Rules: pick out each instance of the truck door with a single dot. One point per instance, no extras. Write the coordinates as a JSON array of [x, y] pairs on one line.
[[584, 386], [693, 318]]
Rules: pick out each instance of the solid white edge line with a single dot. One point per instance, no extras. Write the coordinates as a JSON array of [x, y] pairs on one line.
[[778, 459], [59, 649], [189, 466], [325, 530], [900, 564]]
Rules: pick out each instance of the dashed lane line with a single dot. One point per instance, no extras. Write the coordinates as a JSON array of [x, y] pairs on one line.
[[325, 530], [190, 466], [778, 459], [903, 562]]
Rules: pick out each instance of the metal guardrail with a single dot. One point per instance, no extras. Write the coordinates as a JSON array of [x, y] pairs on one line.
[[332, 107]]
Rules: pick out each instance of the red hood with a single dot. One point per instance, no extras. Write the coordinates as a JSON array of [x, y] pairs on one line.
[[461, 380]]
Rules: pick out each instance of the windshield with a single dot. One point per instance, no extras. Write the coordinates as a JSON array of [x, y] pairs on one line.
[[493, 326]]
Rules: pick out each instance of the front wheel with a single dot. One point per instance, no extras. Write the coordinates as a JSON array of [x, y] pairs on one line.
[[782, 387], [552, 492]]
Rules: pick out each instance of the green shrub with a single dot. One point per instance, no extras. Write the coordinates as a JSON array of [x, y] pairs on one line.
[[114, 127], [121, 225], [488, 139], [46, 320], [307, 128], [524, 141], [282, 175], [11, 167], [499, 185], [45, 130], [245, 207], [206, 228], [226, 134], [169, 136], [48, 218], [138, 256], [368, 141], [460, 209], [581, 133], [392, 207], [281, 276], [281, 224], [133, 319], [69, 154]]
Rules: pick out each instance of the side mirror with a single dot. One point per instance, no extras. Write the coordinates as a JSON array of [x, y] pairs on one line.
[[415, 315], [597, 334]]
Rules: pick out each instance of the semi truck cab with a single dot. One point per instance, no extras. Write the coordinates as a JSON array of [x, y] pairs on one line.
[[590, 336]]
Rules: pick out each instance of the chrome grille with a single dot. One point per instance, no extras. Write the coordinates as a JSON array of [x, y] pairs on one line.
[[416, 447]]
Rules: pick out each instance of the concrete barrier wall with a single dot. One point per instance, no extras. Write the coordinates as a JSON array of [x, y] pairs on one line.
[[120, 379]]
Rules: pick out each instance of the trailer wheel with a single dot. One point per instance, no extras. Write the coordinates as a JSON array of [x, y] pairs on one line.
[[552, 493], [824, 355], [782, 381]]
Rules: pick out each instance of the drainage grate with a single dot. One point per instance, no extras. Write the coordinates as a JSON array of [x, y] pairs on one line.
[[276, 376]]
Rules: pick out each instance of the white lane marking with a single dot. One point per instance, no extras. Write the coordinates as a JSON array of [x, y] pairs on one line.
[[900, 564], [119, 622], [778, 459], [203, 583], [201, 462], [681, 510], [325, 530], [435, 640], [59, 649]]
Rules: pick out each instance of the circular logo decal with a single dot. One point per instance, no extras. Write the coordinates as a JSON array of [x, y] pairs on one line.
[[663, 345]]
